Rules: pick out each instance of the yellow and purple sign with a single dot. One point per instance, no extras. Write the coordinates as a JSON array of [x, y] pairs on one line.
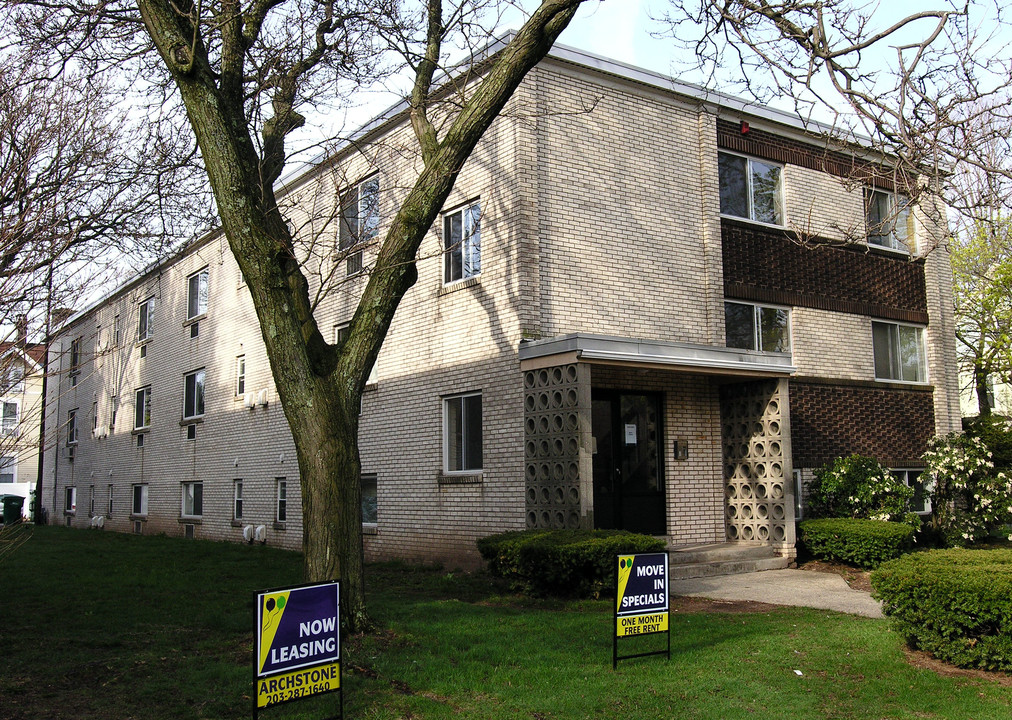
[[298, 648], [642, 594]]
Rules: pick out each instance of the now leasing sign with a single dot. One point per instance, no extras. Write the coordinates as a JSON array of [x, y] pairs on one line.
[[298, 647], [641, 599]]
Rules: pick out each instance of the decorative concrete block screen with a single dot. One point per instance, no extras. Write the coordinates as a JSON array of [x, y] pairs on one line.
[[552, 409], [757, 485]]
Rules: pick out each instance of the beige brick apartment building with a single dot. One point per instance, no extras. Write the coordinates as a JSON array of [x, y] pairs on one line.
[[645, 306]]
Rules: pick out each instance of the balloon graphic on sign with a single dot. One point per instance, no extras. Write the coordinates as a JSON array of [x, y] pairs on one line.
[[272, 605]]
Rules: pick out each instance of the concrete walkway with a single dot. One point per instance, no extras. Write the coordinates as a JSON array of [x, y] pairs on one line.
[[826, 591]]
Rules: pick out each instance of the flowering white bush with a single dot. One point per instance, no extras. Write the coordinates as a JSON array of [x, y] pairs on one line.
[[859, 487], [970, 500]]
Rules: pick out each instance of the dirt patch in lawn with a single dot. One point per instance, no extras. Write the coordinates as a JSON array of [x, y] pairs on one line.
[[685, 604], [856, 577], [926, 661]]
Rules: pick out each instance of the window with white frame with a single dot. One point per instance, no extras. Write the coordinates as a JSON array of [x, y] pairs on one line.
[[798, 495], [70, 500], [139, 503], [113, 409], [240, 376], [462, 243], [750, 188], [462, 437], [282, 498], [920, 503], [8, 470], [9, 424], [340, 335], [359, 221], [888, 220], [899, 352], [72, 427], [142, 408], [237, 499], [91, 501], [193, 499], [145, 319], [75, 360], [757, 327], [117, 332], [13, 377], [193, 395], [369, 516], [108, 507], [196, 294]]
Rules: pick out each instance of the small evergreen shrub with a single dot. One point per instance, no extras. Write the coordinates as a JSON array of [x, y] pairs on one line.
[[865, 543], [955, 604], [562, 563], [859, 487]]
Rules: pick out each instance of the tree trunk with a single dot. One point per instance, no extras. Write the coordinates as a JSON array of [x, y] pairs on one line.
[[980, 378]]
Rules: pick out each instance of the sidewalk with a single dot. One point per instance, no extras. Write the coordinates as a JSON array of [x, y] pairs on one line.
[[826, 591]]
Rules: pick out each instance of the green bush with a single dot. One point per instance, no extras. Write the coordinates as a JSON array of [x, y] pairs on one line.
[[859, 487], [955, 604], [865, 543], [562, 563]]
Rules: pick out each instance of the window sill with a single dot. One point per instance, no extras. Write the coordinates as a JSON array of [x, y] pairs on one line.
[[190, 520], [141, 431], [456, 285], [195, 319], [891, 252], [903, 384], [468, 478], [236, 523], [750, 221], [280, 525], [369, 529], [138, 517], [191, 421]]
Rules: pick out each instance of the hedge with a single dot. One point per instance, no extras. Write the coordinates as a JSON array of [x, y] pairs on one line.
[[955, 604], [562, 563], [865, 543]]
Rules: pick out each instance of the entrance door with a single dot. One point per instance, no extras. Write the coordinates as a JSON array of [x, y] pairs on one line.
[[628, 485]]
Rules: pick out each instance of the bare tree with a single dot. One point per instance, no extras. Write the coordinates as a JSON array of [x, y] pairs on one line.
[[245, 73]]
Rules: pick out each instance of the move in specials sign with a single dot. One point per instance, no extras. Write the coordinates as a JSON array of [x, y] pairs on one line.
[[298, 647], [642, 594]]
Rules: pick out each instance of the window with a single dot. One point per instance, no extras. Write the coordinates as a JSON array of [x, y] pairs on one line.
[[117, 333], [70, 500], [750, 188], [142, 409], [72, 427], [368, 499], [8, 470], [113, 408], [462, 243], [145, 319], [193, 499], [237, 500], [240, 376], [462, 433], [94, 418], [899, 352], [888, 220], [798, 495], [108, 509], [9, 424], [196, 294], [75, 360], [359, 221], [14, 378], [921, 501], [140, 500], [193, 395], [757, 327], [91, 501], [282, 514]]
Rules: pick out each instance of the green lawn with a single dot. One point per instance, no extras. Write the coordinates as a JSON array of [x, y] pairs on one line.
[[101, 625]]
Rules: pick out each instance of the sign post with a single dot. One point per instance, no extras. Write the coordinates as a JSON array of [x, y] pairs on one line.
[[298, 644], [641, 601]]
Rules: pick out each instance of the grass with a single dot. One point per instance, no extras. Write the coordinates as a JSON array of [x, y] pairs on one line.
[[101, 625]]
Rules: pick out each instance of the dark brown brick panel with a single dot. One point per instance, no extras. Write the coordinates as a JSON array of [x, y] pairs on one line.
[[832, 420], [813, 156], [769, 265]]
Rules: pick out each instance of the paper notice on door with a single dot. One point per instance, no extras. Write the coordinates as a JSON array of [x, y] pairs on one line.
[[630, 434]]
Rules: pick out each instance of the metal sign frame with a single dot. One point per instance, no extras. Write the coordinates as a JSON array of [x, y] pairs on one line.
[[310, 678], [642, 601]]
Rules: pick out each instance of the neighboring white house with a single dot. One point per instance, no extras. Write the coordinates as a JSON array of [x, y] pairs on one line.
[[20, 413], [644, 306]]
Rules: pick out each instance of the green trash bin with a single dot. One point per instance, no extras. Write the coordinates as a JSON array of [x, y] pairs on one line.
[[13, 505]]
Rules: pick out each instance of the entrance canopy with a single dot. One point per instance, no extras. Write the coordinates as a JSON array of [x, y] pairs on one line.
[[660, 354]]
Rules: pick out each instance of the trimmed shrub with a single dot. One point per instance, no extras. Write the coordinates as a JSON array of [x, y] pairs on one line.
[[859, 487], [562, 563], [955, 604], [865, 543]]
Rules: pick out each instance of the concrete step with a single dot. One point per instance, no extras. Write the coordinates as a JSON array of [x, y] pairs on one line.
[[716, 552], [726, 567]]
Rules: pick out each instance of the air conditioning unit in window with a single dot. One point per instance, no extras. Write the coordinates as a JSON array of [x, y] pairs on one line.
[[250, 400], [262, 398], [69, 452]]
